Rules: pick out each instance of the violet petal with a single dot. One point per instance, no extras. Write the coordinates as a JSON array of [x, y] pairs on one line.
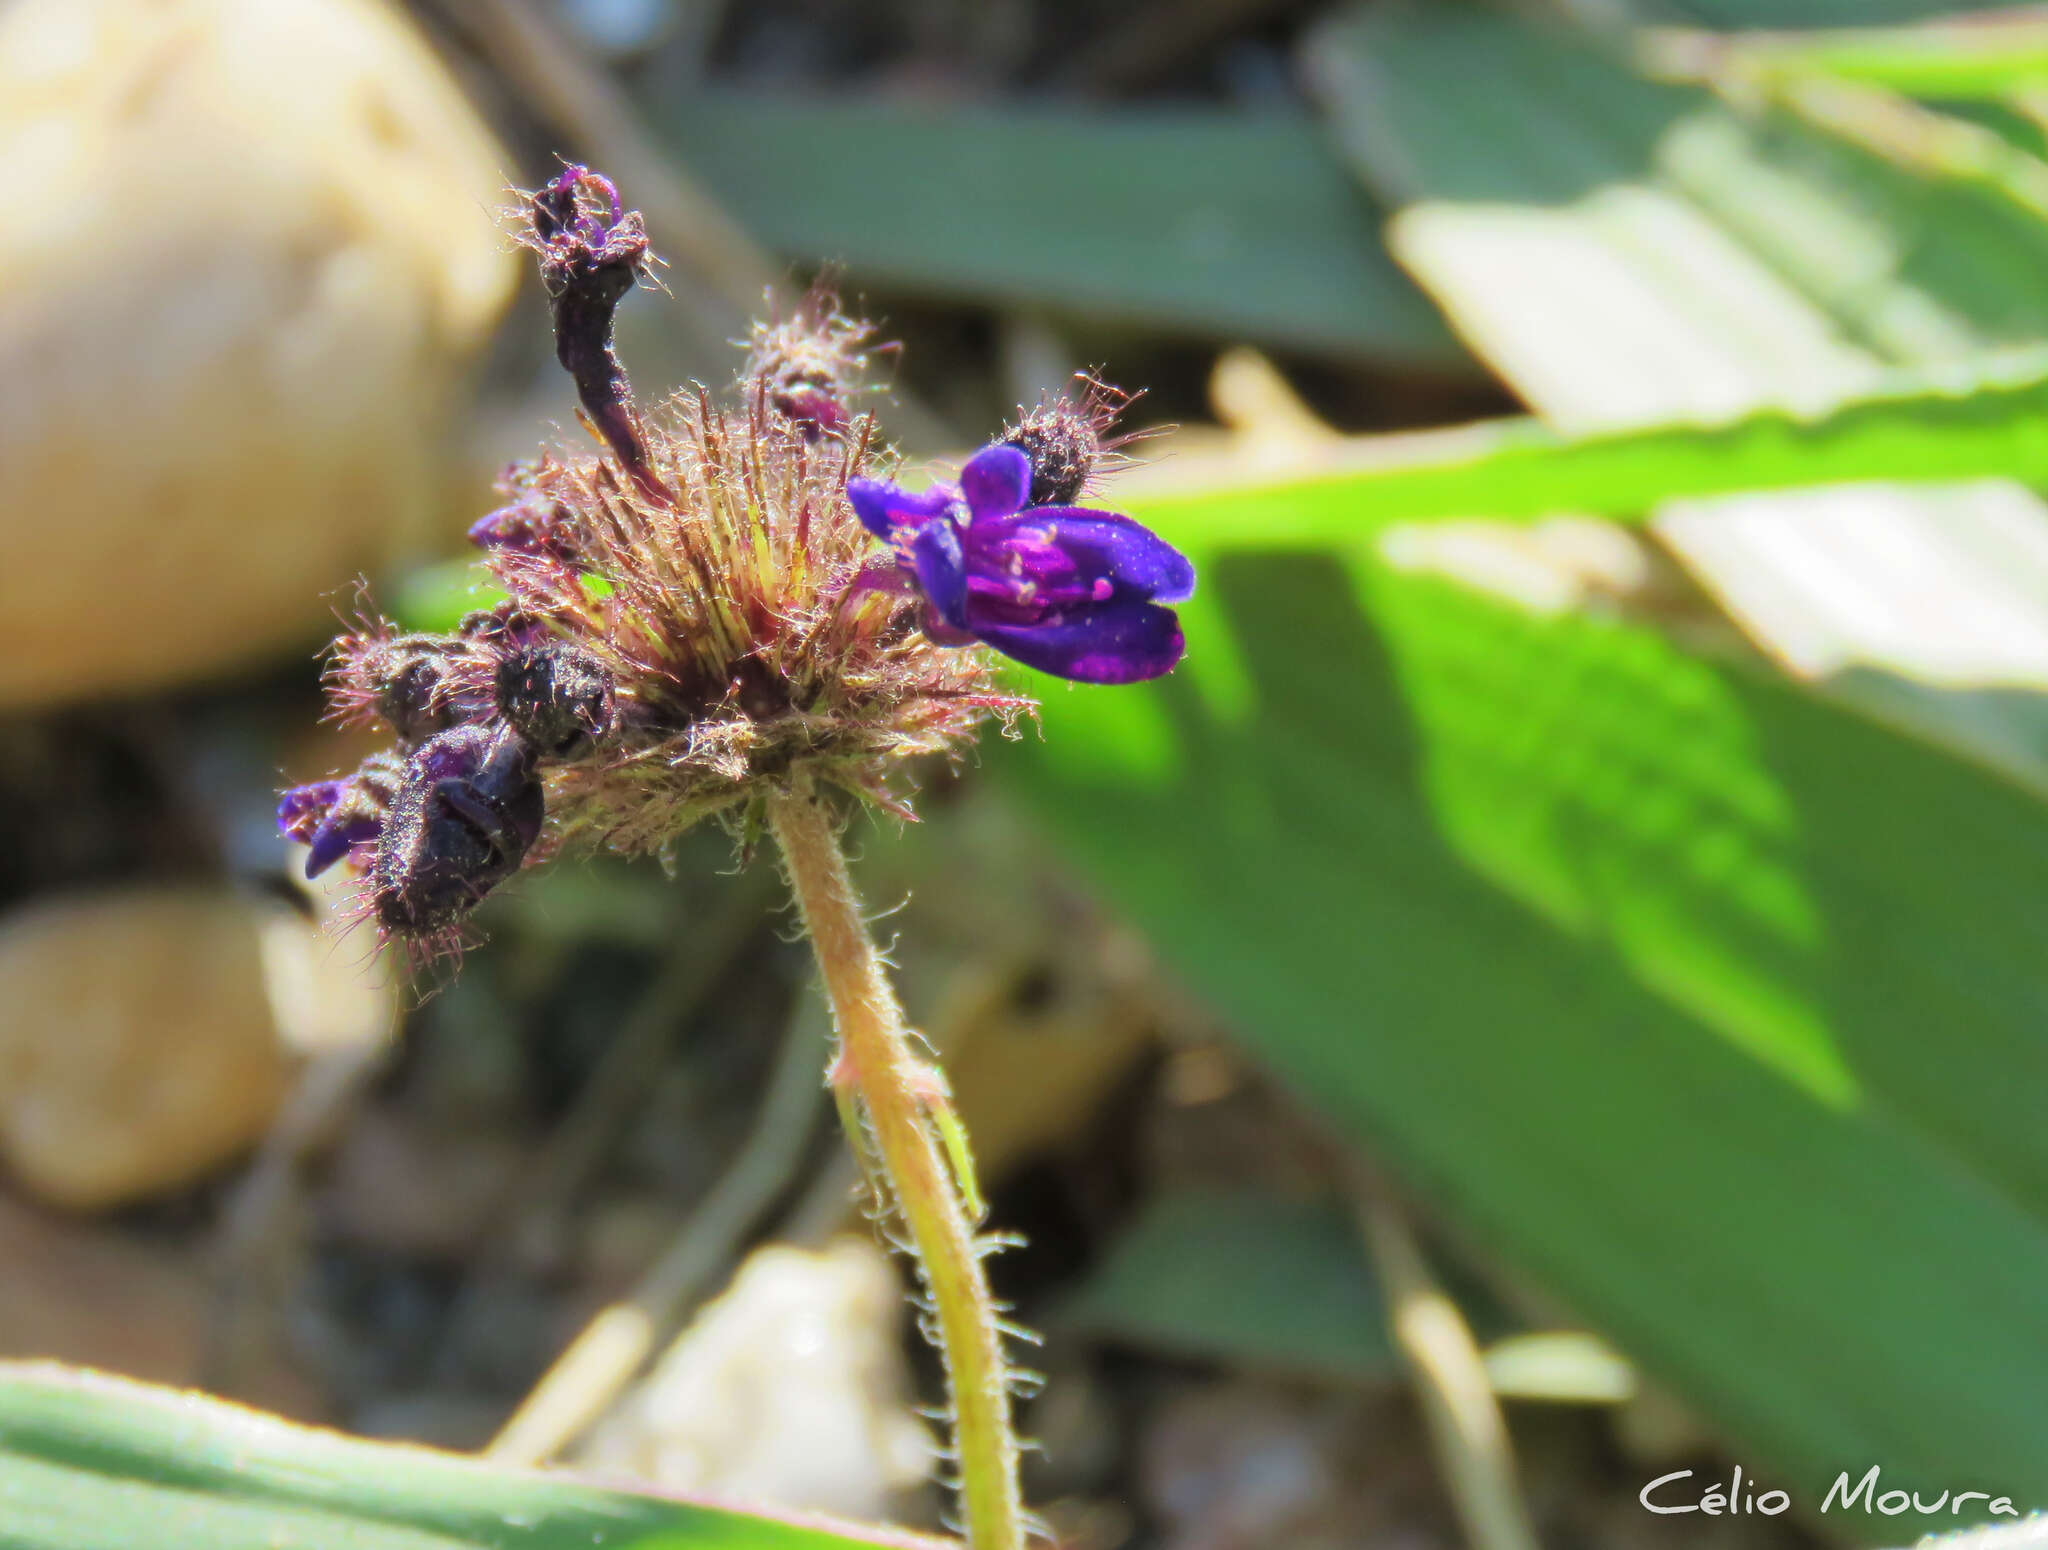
[[995, 482], [942, 569], [883, 507], [1126, 641], [940, 633], [337, 837], [1079, 547], [303, 809]]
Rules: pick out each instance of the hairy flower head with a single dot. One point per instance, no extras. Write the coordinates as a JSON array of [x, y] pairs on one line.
[[731, 616], [698, 612]]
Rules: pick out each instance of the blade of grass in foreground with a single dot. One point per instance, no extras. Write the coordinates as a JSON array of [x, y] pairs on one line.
[[91, 1462]]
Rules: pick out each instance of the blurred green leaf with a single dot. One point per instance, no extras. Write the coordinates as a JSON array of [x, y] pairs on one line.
[[1954, 424], [1222, 225], [1985, 59], [1810, 13], [1239, 1277], [89, 1462], [1627, 251], [434, 598], [1714, 1007]]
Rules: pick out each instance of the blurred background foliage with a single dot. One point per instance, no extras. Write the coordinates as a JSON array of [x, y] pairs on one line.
[[1580, 882]]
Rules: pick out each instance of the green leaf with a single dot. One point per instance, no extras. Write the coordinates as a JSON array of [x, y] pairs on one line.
[[1627, 251], [1977, 422], [1980, 60], [434, 598], [1813, 13], [1638, 251], [90, 1462], [1175, 219], [1245, 1278], [1713, 1007]]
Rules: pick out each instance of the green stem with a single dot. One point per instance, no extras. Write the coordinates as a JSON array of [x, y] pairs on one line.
[[899, 1093]]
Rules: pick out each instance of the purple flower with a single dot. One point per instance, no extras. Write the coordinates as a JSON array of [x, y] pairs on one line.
[[530, 525], [334, 818], [301, 810], [319, 817], [1064, 589]]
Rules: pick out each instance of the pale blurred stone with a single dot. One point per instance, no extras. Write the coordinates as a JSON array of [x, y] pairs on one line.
[[95, 1297], [790, 1389], [233, 328], [326, 994], [138, 1050]]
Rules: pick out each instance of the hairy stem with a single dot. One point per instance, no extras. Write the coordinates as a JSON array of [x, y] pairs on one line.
[[899, 1092]]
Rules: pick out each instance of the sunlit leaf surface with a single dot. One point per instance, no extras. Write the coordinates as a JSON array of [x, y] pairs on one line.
[[1627, 251], [1715, 1007]]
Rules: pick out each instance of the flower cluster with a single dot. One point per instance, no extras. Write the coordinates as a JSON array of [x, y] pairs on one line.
[[695, 610], [456, 806]]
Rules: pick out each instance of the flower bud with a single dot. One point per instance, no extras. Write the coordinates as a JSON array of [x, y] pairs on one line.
[[809, 364], [1067, 441], [532, 525], [556, 697], [413, 683]]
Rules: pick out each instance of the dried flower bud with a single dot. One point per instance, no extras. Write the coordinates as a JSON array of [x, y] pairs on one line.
[[809, 364], [556, 696], [467, 807], [812, 406], [1067, 441], [415, 684], [502, 627], [530, 526]]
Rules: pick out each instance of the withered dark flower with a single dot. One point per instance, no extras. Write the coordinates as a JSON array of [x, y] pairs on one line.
[[557, 697], [591, 253], [466, 809]]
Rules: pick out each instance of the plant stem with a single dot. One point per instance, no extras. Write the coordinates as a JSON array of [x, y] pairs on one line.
[[899, 1091]]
